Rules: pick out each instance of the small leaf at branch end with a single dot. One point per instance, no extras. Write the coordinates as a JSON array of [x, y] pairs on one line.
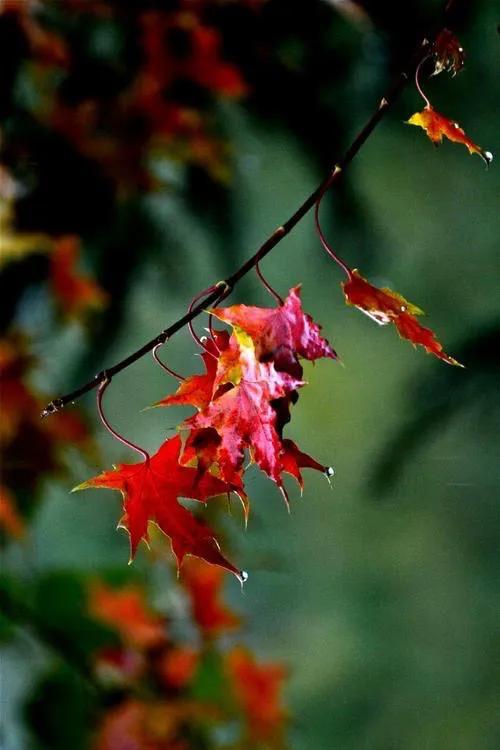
[[385, 306], [436, 126], [449, 54], [150, 491]]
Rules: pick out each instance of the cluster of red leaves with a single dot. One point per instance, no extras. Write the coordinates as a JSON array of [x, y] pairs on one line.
[[46, 47], [177, 48], [31, 449], [149, 656], [243, 403], [74, 293]]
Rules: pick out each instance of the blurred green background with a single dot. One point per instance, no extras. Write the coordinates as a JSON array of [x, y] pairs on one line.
[[381, 591]]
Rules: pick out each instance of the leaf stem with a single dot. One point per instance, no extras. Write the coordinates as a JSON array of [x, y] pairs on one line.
[[267, 285], [223, 296], [326, 245], [195, 299], [417, 82], [163, 365], [100, 393]]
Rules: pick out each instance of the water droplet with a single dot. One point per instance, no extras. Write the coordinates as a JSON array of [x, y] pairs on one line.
[[243, 577], [330, 471], [488, 156]]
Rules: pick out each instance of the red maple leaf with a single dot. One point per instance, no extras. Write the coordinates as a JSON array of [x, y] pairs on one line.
[[30, 448], [281, 334], [436, 126], [177, 666], [203, 584], [385, 306], [257, 688], [150, 491], [243, 416]]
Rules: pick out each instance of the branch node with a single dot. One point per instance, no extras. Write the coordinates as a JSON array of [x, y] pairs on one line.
[[102, 377], [52, 408], [225, 286]]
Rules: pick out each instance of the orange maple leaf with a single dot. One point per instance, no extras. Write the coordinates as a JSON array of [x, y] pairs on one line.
[[385, 306], [177, 666], [436, 126], [74, 292], [10, 520], [126, 611], [257, 688]]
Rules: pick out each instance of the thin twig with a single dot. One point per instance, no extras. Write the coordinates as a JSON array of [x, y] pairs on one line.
[[383, 106]]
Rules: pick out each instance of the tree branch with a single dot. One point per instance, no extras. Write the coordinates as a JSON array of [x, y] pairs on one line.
[[226, 286]]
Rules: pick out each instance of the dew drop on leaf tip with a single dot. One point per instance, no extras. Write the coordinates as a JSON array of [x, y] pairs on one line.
[[242, 577]]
